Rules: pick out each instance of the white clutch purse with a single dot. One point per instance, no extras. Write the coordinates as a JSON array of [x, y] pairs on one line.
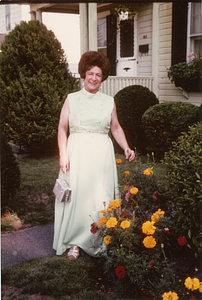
[[62, 190]]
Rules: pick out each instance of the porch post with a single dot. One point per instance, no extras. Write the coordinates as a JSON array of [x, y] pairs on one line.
[[83, 11], [155, 47], [92, 26]]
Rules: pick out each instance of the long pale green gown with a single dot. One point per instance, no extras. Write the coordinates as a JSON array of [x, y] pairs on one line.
[[92, 175]]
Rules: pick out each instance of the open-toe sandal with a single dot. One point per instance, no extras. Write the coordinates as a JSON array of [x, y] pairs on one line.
[[73, 253]]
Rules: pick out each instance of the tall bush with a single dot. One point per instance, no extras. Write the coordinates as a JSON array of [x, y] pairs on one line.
[[131, 103], [35, 80], [164, 122], [184, 163]]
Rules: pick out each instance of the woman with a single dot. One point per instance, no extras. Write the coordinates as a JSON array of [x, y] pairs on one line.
[[87, 159]]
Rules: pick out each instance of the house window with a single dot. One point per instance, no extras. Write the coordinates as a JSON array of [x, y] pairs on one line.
[[196, 29], [8, 18], [127, 38], [102, 35]]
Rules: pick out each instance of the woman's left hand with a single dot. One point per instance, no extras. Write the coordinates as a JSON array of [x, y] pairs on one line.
[[130, 154]]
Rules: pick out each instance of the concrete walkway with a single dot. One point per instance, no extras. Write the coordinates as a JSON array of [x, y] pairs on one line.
[[26, 244]]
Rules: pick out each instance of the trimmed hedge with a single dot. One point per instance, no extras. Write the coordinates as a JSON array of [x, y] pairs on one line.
[[131, 103], [164, 122]]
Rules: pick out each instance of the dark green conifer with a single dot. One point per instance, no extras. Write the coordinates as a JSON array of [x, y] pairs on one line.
[[35, 81]]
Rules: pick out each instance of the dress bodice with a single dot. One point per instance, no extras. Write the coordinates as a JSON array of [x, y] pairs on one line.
[[90, 112]]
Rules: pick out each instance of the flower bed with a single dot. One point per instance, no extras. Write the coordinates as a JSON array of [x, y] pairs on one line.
[[142, 245]]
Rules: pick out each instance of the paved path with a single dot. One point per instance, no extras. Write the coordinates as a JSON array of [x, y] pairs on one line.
[[26, 244]]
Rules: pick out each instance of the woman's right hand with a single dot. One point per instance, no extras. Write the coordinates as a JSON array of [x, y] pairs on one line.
[[64, 164]]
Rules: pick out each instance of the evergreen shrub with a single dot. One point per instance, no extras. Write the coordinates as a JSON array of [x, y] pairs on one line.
[[10, 174], [35, 81], [184, 164], [164, 122], [131, 103]]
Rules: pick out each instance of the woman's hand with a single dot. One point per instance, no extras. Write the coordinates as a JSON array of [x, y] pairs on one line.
[[64, 164], [130, 154]]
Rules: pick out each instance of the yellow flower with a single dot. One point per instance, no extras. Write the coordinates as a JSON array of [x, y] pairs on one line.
[[112, 222], [148, 228], [192, 284], [148, 171], [157, 215], [125, 224], [103, 212], [149, 242], [134, 190], [118, 161], [170, 296], [200, 287], [114, 204], [126, 174], [102, 221], [107, 239]]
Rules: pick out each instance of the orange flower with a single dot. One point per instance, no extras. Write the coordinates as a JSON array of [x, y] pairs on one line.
[[126, 174], [114, 204], [126, 187], [125, 224], [148, 228], [107, 239], [118, 161], [148, 171], [149, 242], [134, 190], [157, 215], [103, 212], [102, 221], [112, 222]]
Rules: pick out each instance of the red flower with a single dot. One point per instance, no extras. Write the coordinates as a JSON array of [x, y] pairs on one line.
[[182, 241], [154, 195], [151, 264], [120, 272], [166, 231], [125, 215], [192, 298], [94, 227]]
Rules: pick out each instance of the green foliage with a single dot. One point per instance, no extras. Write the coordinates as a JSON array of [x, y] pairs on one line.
[[187, 75], [131, 103], [10, 173], [164, 122], [35, 81], [184, 163]]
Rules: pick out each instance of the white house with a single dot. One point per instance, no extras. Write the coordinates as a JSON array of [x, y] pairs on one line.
[[141, 48]]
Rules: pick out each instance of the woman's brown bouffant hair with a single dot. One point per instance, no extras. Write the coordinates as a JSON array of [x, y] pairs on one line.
[[94, 58]]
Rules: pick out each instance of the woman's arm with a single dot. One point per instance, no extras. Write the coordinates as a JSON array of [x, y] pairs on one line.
[[62, 136], [119, 135]]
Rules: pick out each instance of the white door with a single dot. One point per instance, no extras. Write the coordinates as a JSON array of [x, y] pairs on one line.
[[126, 48]]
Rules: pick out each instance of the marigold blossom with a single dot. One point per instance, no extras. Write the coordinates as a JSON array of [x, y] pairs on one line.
[[151, 264], [126, 187], [102, 221], [114, 204], [149, 242], [103, 211], [157, 215], [118, 161], [126, 174], [182, 241], [148, 228], [192, 284], [112, 222], [94, 227], [125, 224], [200, 287], [148, 171], [107, 239], [134, 190], [170, 296], [120, 272]]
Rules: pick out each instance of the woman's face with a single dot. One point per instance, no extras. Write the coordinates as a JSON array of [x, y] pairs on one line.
[[93, 79]]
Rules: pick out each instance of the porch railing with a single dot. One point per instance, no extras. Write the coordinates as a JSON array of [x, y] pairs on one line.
[[113, 84]]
